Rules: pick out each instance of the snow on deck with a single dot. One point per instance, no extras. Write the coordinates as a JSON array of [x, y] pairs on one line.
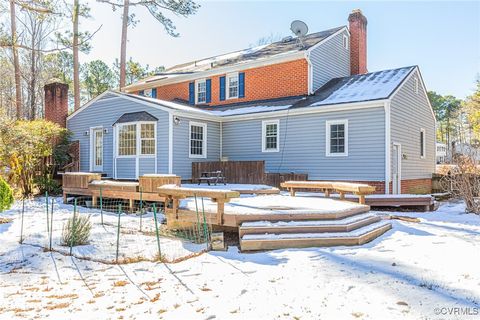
[[228, 186], [274, 204], [354, 233]]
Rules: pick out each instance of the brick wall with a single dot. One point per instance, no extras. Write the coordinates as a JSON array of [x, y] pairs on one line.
[[268, 82], [417, 186], [358, 42], [56, 103]]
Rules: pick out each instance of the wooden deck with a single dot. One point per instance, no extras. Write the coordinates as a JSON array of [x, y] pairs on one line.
[[91, 185]]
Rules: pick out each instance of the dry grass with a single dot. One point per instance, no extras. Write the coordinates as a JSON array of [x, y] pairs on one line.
[[161, 311], [156, 298], [64, 296], [20, 310], [150, 285], [62, 305], [99, 294], [33, 289], [120, 283], [5, 220], [91, 301], [205, 289], [34, 301], [120, 309]]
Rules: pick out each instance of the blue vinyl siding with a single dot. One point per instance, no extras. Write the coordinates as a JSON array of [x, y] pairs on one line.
[[411, 112], [330, 60], [182, 164], [126, 168], [146, 165], [104, 113], [302, 145]]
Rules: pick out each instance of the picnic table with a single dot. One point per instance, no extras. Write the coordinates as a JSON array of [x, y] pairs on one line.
[[212, 176]]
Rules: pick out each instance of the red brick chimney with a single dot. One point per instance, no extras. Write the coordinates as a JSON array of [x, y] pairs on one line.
[[358, 42], [56, 103]]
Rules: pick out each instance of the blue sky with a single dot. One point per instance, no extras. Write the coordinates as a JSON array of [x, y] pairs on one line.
[[443, 38]]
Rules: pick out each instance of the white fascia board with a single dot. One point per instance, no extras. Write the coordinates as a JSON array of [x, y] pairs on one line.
[[307, 110], [218, 71]]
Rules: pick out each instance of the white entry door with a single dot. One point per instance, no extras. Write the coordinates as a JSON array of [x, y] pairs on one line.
[[97, 150], [397, 169]]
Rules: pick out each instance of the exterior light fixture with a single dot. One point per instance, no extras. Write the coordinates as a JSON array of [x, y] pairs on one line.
[[176, 120]]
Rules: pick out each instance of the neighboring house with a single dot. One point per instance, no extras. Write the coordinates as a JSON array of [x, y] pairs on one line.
[[304, 105], [441, 152]]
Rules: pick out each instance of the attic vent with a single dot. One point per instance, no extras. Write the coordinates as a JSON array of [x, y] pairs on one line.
[[287, 39]]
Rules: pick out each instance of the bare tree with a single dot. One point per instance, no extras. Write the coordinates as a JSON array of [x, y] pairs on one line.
[[16, 63], [76, 63], [156, 8]]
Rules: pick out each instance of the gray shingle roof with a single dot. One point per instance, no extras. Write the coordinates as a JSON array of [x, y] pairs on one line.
[[136, 116], [273, 49]]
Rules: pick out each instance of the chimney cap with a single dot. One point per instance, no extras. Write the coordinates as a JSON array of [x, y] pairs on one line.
[[357, 14]]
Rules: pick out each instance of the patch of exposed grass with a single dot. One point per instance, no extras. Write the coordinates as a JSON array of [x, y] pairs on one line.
[[63, 296], [120, 283], [5, 220], [156, 298], [62, 305]]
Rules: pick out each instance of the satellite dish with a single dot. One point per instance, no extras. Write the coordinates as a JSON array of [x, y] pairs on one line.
[[299, 28]]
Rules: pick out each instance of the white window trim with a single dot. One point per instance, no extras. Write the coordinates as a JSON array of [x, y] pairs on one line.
[[345, 41], [138, 139], [264, 132], [204, 80], [227, 85], [204, 144], [423, 152], [328, 124]]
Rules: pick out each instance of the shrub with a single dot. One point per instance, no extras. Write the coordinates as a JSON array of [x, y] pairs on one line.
[[76, 231], [47, 184], [24, 145], [6, 195]]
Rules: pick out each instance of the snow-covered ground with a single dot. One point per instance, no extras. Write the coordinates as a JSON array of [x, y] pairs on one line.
[[415, 271], [102, 242]]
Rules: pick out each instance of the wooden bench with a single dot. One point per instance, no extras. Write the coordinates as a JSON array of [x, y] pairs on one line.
[[215, 177], [361, 190], [175, 193]]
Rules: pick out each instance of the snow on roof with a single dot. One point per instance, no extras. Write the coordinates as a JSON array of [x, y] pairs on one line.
[[247, 110], [261, 52], [365, 87]]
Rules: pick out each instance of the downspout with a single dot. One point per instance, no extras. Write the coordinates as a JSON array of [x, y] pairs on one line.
[[309, 72], [221, 140], [388, 151]]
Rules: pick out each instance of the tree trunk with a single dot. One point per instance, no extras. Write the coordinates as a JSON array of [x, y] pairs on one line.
[[123, 47], [33, 79], [16, 63], [76, 63]]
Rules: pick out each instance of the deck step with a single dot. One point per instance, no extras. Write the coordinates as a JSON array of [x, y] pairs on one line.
[[308, 226], [264, 241]]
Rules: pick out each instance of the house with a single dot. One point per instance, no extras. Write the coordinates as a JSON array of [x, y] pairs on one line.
[[441, 152], [305, 105]]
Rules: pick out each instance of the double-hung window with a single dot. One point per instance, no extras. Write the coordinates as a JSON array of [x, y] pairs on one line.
[[147, 139], [337, 138], [198, 140], [232, 85], [270, 135], [201, 91], [136, 139], [127, 140]]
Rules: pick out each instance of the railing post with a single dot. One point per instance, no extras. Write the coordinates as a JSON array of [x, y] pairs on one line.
[[118, 230], [156, 231]]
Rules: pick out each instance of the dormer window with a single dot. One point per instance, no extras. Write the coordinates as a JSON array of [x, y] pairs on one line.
[[345, 41], [201, 91], [232, 85]]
